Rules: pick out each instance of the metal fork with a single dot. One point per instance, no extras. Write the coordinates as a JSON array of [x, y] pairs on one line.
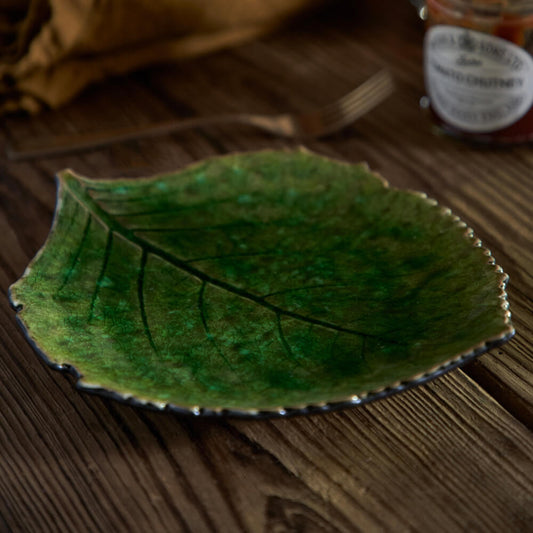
[[311, 124]]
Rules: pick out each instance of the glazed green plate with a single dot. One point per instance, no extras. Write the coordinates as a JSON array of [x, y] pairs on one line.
[[258, 284]]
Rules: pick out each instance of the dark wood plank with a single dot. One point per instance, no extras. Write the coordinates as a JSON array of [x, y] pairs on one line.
[[404, 463], [453, 455]]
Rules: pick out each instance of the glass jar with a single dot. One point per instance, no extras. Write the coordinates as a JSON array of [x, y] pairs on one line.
[[478, 66]]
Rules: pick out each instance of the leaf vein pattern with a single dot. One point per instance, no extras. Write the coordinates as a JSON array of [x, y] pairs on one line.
[[284, 341], [142, 308], [107, 253], [209, 335], [130, 200], [266, 253], [239, 224], [77, 254], [309, 287], [198, 228], [148, 247], [334, 343]]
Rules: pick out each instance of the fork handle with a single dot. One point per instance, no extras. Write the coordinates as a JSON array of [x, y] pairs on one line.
[[66, 144]]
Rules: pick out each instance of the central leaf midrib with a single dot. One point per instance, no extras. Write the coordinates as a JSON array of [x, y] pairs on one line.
[[90, 205]]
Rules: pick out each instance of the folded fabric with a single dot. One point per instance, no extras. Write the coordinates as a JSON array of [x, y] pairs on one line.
[[51, 49]]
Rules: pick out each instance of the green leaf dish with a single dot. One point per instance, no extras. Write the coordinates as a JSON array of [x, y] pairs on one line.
[[258, 284]]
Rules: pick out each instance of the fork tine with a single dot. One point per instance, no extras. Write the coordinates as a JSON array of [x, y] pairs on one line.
[[381, 80], [364, 102], [344, 111], [360, 100], [357, 109]]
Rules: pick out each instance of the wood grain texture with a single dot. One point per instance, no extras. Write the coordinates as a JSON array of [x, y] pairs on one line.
[[454, 455]]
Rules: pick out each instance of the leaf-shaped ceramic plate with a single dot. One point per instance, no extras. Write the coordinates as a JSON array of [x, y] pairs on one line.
[[260, 283]]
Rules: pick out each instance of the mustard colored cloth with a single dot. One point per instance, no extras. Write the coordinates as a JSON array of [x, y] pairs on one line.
[[51, 49]]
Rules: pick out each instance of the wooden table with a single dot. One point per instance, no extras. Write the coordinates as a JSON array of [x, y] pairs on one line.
[[453, 455]]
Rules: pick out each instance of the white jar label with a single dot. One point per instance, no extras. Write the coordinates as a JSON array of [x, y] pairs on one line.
[[475, 81]]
